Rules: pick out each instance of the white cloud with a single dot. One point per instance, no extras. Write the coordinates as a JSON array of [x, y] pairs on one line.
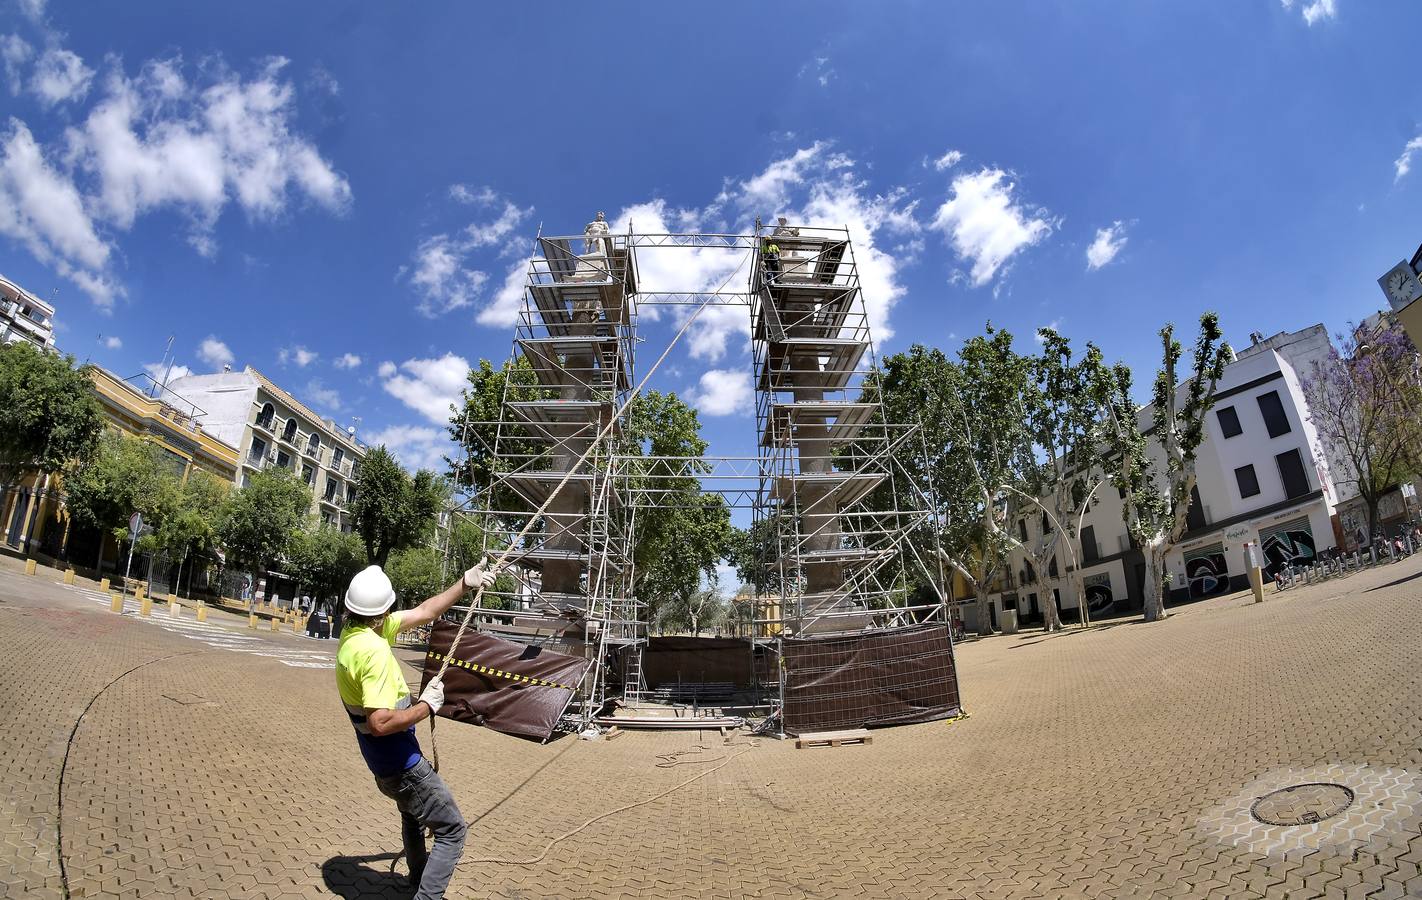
[[214, 352], [503, 310], [33, 10], [60, 75], [326, 398], [769, 189], [441, 270], [153, 141], [723, 392], [415, 446], [386, 369], [112, 342], [428, 386], [818, 69], [14, 53], [346, 361], [1107, 244], [164, 374], [156, 141], [45, 212], [298, 354], [947, 160], [463, 193], [1315, 10], [1403, 163], [986, 224]]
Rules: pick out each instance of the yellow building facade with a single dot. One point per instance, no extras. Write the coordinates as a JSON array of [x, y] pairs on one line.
[[167, 421]]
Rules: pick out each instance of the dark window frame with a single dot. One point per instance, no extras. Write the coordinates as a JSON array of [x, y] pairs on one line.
[[1090, 550], [1272, 421], [1284, 477], [1239, 476], [1232, 428]]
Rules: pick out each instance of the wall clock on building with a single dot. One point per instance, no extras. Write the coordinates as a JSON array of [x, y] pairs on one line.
[[1400, 285]]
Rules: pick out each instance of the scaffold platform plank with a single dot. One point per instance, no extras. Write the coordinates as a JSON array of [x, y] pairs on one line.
[[843, 421]]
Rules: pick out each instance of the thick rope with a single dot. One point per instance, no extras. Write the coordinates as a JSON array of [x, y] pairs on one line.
[[567, 476]]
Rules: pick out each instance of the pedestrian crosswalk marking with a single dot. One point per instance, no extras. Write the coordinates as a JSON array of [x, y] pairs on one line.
[[220, 637]]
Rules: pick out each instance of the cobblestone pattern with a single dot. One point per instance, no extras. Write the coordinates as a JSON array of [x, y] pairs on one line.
[[1085, 770]]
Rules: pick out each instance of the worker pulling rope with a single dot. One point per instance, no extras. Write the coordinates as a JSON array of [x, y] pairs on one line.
[[378, 701], [502, 558]]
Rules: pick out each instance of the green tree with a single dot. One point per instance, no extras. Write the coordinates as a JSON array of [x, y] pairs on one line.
[[324, 559], [186, 524], [393, 510], [478, 426], [50, 420], [702, 610], [416, 573], [1158, 499], [471, 541], [257, 523], [1064, 409], [125, 475], [680, 533], [977, 446]]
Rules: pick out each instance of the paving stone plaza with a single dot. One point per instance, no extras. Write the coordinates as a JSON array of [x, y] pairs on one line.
[[1234, 750]]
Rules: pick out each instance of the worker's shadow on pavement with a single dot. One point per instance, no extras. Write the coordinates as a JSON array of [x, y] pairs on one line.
[[365, 877]]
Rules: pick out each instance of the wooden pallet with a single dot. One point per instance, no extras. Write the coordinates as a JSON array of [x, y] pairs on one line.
[[833, 738]]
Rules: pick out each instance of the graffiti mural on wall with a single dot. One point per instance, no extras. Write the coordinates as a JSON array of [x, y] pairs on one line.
[[1206, 571], [1099, 599], [1286, 544]]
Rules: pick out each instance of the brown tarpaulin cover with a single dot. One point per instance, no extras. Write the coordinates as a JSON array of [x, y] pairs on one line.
[[511, 688], [874, 678]]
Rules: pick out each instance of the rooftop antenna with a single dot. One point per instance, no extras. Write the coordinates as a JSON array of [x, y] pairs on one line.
[[169, 370]]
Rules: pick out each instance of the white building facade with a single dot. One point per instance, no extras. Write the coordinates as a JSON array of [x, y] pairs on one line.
[[1261, 479], [269, 427], [24, 317]]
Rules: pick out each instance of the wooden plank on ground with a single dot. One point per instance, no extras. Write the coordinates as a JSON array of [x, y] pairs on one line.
[[833, 738]]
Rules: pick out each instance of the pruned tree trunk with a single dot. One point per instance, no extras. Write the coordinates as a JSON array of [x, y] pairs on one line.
[[1153, 601], [984, 611], [1051, 616]]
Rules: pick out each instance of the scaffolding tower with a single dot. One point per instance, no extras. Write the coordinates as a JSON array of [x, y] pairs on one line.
[[824, 490]]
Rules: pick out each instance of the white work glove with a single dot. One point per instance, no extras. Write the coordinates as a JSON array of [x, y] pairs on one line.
[[481, 576], [433, 695]]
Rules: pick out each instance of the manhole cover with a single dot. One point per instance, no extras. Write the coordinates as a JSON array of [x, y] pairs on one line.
[[1302, 804]]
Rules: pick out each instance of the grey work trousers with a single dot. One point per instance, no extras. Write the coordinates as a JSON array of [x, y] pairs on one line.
[[424, 800]]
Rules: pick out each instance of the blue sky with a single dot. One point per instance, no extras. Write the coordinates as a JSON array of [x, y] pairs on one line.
[[336, 194]]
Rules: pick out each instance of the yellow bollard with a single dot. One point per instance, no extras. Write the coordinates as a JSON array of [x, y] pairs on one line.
[[174, 610], [30, 566], [68, 576], [116, 602], [297, 626], [138, 592], [145, 606], [276, 624], [202, 612], [172, 597], [103, 584], [251, 620]]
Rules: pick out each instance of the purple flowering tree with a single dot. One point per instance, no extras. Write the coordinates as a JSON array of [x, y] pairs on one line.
[[1363, 403]]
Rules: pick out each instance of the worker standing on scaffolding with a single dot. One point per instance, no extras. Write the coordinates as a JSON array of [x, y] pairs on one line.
[[377, 699], [770, 253]]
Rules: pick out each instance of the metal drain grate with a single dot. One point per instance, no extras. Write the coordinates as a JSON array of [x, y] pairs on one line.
[[1302, 804]]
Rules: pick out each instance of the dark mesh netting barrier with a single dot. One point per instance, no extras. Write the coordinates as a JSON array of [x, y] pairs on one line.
[[683, 660], [874, 678]]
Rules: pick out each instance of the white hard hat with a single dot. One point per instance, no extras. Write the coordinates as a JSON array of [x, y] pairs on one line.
[[370, 593]]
